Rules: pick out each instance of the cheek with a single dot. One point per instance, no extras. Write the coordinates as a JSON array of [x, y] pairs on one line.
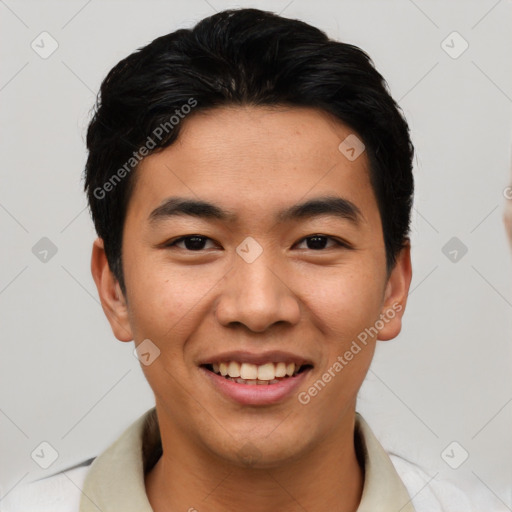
[[343, 307], [345, 303], [166, 303]]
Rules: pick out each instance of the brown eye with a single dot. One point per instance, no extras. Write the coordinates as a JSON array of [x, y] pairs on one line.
[[191, 242], [319, 242]]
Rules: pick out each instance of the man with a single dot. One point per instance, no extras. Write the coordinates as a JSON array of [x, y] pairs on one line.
[[251, 184]]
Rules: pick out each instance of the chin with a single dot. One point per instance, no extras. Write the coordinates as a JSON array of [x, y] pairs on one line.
[[263, 451]]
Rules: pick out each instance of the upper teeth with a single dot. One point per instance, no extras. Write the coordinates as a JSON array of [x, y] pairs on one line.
[[247, 371]]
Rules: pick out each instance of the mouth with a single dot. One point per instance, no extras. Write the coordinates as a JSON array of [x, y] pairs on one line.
[[256, 375], [256, 380]]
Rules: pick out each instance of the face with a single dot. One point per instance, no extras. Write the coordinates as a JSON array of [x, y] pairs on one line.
[[254, 261]]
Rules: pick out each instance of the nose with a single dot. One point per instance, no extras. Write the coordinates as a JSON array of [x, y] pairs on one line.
[[255, 296]]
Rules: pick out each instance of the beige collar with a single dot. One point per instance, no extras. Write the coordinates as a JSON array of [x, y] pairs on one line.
[[115, 480]]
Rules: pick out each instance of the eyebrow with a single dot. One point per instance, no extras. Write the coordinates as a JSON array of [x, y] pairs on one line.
[[326, 205]]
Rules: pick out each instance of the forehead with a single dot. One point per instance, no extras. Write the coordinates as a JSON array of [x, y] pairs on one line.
[[257, 159], [264, 136]]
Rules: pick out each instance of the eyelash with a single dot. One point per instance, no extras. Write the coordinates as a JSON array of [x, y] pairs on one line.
[[340, 243]]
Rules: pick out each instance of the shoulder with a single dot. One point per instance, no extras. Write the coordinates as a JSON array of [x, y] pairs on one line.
[[433, 491], [427, 493], [57, 493]]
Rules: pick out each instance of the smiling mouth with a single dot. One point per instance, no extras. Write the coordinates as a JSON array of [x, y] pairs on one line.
[[252, 374]]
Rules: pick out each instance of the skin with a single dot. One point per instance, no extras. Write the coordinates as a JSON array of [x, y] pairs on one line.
[[254, 161]]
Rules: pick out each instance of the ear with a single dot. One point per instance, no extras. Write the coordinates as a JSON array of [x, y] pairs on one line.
[[112, 299], [395, 295]]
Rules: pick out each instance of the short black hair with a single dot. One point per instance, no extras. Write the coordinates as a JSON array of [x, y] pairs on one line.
[[241, 57]]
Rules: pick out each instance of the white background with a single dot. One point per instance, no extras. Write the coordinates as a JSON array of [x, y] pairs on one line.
[[66, 379]]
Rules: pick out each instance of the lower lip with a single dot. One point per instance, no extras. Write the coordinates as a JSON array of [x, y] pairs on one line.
[[256, 394]]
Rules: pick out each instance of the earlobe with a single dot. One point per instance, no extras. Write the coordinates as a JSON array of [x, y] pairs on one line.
[[395, 295], [112, 299]]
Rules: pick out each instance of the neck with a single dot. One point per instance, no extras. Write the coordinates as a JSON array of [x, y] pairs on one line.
[[328, 477]]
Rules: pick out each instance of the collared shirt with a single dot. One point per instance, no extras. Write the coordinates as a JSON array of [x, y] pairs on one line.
[[114, 481]]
